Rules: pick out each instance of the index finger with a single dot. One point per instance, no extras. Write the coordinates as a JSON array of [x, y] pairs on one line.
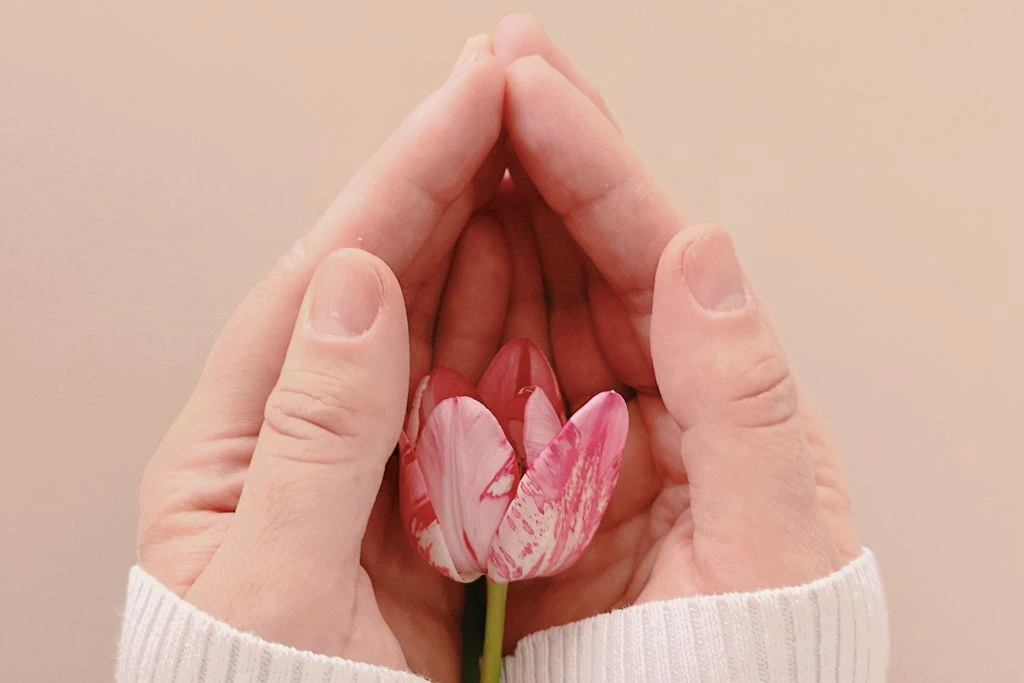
[[584, 170], [520, 34]]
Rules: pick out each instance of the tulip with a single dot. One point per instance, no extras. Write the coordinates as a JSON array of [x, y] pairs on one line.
[[494, 480]]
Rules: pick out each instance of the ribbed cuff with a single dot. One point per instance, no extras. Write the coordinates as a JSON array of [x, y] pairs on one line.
[[833, 629], [167, 640]]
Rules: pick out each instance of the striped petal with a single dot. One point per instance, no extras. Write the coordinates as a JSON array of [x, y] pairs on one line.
[[469, 469], [418, 515], [505, 386], [563, 495], [540, 425], [440, 384]]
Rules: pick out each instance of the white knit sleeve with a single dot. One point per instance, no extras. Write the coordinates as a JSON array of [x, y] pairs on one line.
[[834, 629], [165, 639]]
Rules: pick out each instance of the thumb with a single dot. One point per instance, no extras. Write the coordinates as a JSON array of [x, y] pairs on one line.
[[726, 382], [333, 418], [331, 423]]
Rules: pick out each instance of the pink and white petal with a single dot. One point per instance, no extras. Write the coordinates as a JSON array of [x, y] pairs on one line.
[[518, 365], [470, 472], [412, 420], [563, 495], [440, 384], [540, 425], [418, 515]]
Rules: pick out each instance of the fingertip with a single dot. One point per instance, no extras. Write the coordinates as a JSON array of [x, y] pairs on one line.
[[345, 298], [521, 35], [477, 44], [389, 283], [480, 67], [528, 69], [700, 264], [475, 93], [483, 82], [514, 22], [518, 34], [536, 93], [342, 278], [671, 262], [539, 95]]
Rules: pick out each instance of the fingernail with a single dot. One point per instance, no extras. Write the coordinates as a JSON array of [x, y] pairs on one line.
[[474, 47], [714, 275], [347, 297]]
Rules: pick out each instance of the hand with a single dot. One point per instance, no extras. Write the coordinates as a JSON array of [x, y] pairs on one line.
[[729, 481], [256, 506]]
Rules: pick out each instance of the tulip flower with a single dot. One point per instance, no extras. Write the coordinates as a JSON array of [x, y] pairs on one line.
[[495, 481]]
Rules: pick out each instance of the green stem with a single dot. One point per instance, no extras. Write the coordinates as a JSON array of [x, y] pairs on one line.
[[494, 630]]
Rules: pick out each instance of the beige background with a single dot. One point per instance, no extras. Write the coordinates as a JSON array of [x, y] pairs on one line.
[[868, 158]]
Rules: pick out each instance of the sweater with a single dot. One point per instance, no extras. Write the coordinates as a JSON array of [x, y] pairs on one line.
[[833, 629]]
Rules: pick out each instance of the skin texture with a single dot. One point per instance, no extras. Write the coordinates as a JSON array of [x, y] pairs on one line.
[[257, 504]]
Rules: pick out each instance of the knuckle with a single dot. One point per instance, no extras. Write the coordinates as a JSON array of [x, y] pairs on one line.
[[311, 407], [435, 194], [762, 393]]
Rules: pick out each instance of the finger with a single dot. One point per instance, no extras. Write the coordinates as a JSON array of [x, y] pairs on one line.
[[517, 36], [407, 205], [578, 358], [527, 309], [726, 382], [582, 368], [583, 169], [520, 35], [332, 419], [421, 304], [475, 300]]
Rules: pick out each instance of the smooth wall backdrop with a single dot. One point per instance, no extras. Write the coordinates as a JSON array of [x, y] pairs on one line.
[[155, 158]]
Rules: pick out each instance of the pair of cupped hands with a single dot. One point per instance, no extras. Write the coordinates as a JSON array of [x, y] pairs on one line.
[[507, 205]]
